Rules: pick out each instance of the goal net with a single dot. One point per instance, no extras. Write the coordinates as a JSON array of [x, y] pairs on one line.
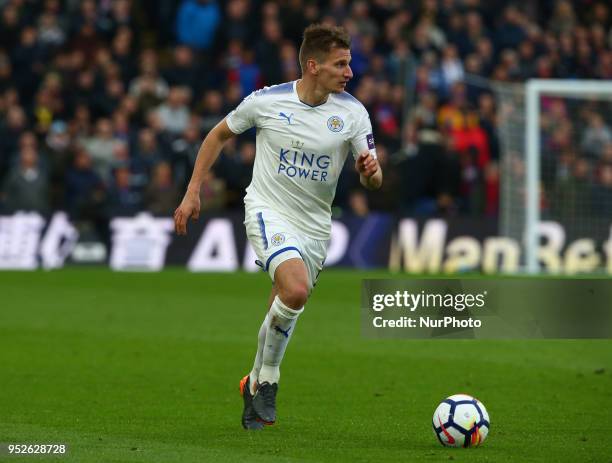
[[556, 173]]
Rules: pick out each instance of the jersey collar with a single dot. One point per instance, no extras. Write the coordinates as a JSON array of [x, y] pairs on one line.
[[297, 97]]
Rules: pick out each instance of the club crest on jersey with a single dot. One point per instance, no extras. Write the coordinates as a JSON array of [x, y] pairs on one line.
[[277, 239], [335, 124]]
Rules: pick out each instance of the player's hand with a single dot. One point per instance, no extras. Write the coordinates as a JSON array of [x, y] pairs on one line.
[[366, 165], [189, 208]]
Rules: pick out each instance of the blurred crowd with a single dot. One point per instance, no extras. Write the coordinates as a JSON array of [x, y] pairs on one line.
[[577, 159], [104, 103]]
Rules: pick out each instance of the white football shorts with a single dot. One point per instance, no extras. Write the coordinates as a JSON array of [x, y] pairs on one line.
[[275, 241]]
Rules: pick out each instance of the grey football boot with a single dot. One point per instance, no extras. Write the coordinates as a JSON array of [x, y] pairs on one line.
[[264, 402], [250, 420]]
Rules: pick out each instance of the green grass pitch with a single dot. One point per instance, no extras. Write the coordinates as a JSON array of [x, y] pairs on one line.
[[145, 368]]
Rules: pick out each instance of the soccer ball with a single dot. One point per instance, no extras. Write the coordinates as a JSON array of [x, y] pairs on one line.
[[461, 421]]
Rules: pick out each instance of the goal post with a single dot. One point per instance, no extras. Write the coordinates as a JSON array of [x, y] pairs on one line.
[[553, 138], [535, 89]]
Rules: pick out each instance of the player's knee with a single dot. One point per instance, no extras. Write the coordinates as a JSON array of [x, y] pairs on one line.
[[294, 295]]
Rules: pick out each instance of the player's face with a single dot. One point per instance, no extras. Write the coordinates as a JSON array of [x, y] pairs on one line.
[[335, 71]]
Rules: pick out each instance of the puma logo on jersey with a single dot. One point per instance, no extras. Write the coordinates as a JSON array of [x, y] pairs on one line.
[[283, 115]]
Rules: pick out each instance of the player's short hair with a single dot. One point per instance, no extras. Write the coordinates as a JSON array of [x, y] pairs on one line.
[[318, 41]]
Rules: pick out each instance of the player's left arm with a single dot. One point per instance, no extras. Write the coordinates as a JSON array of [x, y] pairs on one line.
[[370, 173], [362, 142]]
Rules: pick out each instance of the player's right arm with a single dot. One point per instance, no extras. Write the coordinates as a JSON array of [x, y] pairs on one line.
[[240, 119], [207, 155]]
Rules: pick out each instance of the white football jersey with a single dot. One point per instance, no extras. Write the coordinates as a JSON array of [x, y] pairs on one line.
[[301, 150]]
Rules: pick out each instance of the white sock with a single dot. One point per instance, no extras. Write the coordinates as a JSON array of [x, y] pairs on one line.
[[281, 323], [261, 342]]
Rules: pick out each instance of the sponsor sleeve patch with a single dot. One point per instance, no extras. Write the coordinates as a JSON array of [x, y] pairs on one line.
[[370, 140]]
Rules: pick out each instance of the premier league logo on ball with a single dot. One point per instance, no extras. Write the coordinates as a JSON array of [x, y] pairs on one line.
[[335, 124]]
